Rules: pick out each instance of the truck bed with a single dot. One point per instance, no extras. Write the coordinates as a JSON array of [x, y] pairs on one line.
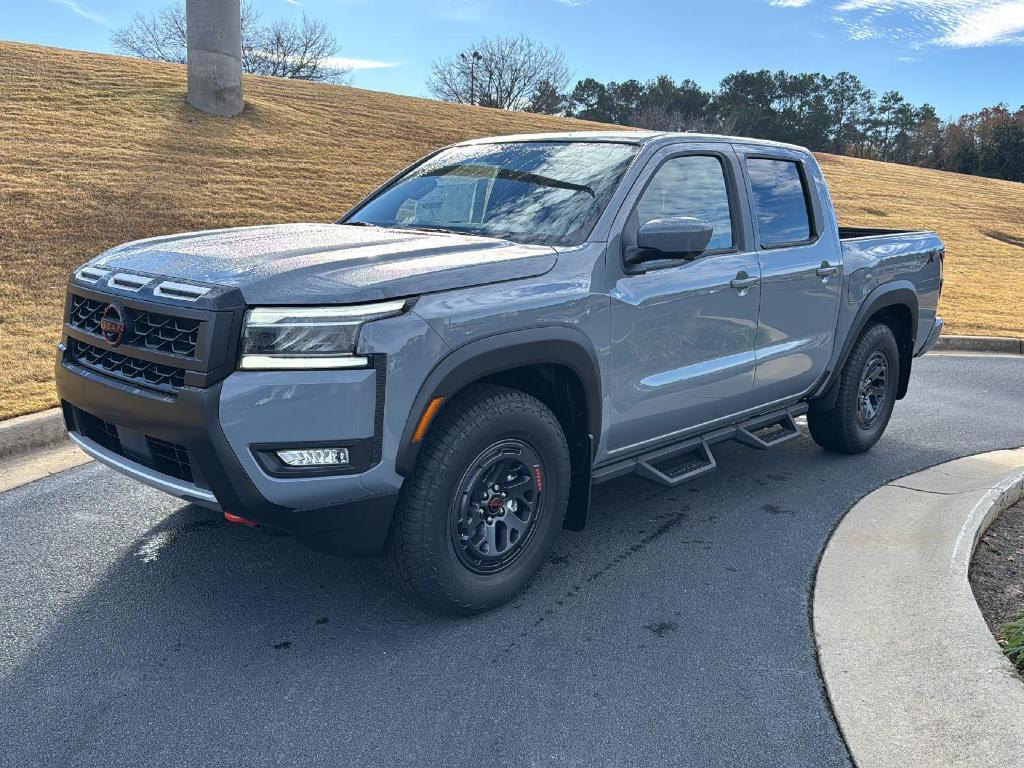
[[873, 258]]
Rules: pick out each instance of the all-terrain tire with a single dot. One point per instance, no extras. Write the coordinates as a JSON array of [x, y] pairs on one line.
[[439, 546], [868, 385]]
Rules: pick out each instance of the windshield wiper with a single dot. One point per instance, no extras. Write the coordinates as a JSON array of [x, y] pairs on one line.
[[444, 230], [489, 171]]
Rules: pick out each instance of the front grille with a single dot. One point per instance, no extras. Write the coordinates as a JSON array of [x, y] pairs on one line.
[[146, 330], [142, 372], [166, 458], [86, 313], [163, 333]]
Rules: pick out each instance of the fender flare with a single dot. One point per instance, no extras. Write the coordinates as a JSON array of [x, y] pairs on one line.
[[504, 351], [900, 293]]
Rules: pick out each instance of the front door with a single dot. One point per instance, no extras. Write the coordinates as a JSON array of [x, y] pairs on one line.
[[801, 275], [683, 337]]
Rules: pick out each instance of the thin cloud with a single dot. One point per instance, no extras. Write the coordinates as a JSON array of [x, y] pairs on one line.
[[951, 23], [344, 62], [85, 13], [789, 3]]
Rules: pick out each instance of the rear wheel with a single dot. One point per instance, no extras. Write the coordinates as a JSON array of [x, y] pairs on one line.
[[482, 509], [867, 393]]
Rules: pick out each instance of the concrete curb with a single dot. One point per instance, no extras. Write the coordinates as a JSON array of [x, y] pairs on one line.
[[30, 433], [980, 344], [914, 675]]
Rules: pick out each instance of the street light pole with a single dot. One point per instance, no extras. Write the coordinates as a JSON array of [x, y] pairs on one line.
[[473, 59], [472, 76]]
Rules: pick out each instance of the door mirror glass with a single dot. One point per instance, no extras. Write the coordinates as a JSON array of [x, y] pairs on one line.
[[674, 237]]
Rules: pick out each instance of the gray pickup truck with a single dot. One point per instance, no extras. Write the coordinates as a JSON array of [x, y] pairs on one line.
[[442, 375]]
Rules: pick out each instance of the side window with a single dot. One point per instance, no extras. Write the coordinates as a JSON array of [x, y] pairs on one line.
[[780, 201], [690, 186]]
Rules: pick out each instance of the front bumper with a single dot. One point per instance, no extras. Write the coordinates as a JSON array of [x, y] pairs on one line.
[[201, 445]]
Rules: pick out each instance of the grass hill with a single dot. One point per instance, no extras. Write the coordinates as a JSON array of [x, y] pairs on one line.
[[96, 150]]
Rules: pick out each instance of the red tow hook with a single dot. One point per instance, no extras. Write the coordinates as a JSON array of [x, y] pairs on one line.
[[239, 520]]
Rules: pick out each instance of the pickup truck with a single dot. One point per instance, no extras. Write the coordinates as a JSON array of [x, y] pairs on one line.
[[441, 376]]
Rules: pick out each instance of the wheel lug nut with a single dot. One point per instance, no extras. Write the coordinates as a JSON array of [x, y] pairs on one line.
[[504, 495], [497, 487]]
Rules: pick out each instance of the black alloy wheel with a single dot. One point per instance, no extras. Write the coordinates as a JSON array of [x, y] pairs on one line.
[[497, 505]]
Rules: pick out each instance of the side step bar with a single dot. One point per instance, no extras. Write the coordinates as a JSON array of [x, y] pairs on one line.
[[678, 463], [768, 431]]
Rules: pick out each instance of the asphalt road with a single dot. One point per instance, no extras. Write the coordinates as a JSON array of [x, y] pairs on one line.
[[675, 630]]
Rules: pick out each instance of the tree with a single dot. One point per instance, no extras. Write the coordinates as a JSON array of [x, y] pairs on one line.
[[547, 100], [299, 51], [883, 126], [851, 106], [501, 72], [748, 98], [590, 100], [831, 114], [282, 49]]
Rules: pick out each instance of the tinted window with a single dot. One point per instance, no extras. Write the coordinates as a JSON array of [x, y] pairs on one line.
[[529, 192], [690, 186], [780, 201]]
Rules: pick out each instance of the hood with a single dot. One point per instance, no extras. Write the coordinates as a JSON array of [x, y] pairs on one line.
[[330, 263]]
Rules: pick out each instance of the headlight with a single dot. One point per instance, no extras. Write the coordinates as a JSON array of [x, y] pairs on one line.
[[308, 337]]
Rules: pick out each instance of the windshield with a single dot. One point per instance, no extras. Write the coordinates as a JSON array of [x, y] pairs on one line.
[[550, 193]]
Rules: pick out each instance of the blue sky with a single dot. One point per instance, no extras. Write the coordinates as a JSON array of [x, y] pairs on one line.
[[960, 55]]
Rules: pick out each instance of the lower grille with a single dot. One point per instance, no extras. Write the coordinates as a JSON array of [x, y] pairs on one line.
[[100, 431], [164, 457], [170, 458], [164, 377]]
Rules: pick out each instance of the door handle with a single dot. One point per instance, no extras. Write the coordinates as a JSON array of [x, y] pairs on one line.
[[826, 270], [743, 281]]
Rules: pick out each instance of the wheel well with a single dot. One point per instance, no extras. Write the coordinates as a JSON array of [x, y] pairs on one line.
[[557, 386], [561, 390], [901, 322]]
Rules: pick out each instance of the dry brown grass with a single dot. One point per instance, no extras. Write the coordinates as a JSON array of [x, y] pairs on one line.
[[980, 220], [97, 150]]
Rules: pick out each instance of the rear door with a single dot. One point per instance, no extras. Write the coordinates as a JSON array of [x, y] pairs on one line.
[[683, 335], [801, 272]]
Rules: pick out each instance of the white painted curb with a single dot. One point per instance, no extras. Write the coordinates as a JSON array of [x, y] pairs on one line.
[[914, 675]]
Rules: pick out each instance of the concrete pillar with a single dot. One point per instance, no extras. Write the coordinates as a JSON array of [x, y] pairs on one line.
[[215, 55]]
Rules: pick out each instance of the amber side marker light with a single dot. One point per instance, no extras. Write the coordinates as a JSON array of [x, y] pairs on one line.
[[426, 418]]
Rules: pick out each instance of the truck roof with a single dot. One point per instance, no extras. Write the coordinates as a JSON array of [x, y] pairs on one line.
[[629, 137]]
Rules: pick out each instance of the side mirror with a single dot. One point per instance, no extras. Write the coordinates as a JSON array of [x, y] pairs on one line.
[[675, 237]]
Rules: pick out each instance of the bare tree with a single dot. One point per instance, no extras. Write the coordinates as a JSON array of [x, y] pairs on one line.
[[282, 49], [300, 51], [656, 117], [501, 72], [158, 36]]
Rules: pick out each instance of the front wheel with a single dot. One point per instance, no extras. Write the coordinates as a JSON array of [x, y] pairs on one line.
[[867, 393], [482, 509]]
